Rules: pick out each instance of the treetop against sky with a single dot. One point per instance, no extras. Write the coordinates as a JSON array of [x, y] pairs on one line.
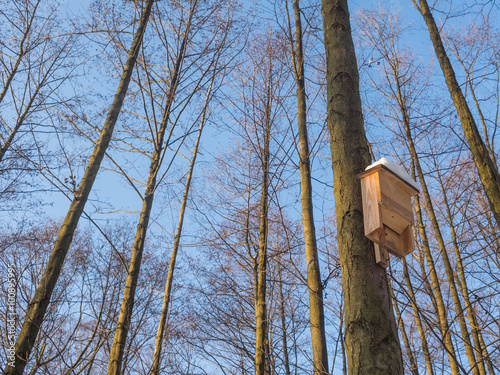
[[232, 69]]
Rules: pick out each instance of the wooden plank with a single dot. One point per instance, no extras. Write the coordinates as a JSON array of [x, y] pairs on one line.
[[377, 236], [370, 194], [408, 241], [393, 242], [381, 256], [403, 209], [394, 215], [392, 188]]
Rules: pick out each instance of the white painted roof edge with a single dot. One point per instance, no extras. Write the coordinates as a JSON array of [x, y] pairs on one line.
[[397, 169]]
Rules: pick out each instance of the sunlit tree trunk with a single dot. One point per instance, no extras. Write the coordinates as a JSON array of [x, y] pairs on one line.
[[472, 90], [487, 170], [316, 310], [406, 340], [123, 325], [38, 305], [155, 368], [437, 296], [418, 320], [260, 300], [372, 343]]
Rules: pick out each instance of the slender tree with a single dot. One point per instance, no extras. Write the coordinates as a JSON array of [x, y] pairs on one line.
[[28, 13], [480, 348], [314, 283], [486, 168], [435, 288], [418, 320], [406, 340], [261, 344], [155, 368]]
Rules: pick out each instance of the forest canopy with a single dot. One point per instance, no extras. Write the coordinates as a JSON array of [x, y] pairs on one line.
[[179, 190]]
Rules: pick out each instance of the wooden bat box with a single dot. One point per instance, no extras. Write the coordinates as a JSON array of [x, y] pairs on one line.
[[387, 209]]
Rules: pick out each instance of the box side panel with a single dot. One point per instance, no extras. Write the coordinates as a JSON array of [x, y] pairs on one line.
[[370, 191]]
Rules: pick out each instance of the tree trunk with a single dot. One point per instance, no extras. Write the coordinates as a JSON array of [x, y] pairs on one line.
[[406, 340], [372, 343], [260, 301], [316, 310], [480, 349], [418, 320], [488, 172], [442, 249], [123, 325], [41, 299], [436, 295], [155, 368]]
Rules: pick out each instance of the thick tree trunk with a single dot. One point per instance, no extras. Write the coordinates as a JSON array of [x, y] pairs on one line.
[[41, 299], [372, 343], [486, 168], [316, 310]]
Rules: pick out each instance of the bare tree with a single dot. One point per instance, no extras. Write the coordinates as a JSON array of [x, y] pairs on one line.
[[317, 314], [487, 170]]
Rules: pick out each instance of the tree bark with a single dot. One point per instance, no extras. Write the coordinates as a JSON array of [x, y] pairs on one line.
[[41, 299], [372, 343]]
